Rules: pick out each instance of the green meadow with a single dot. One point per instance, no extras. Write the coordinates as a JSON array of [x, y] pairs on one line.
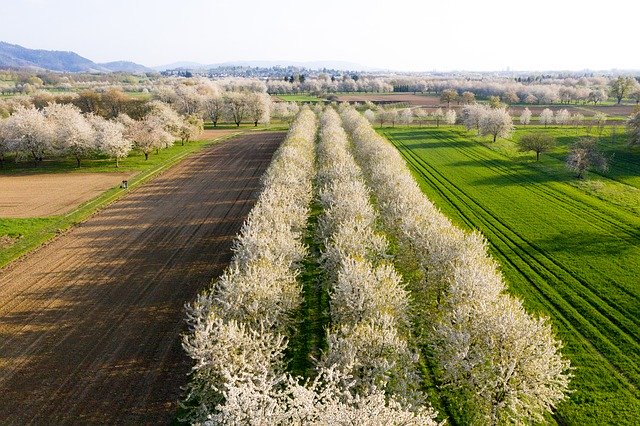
[[569, 248]]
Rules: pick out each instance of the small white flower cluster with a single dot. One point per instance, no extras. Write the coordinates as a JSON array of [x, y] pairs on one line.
[[486, 344], [368, 302]]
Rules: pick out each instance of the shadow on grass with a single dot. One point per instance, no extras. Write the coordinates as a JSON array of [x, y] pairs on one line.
[[505, 172], [589, 243]]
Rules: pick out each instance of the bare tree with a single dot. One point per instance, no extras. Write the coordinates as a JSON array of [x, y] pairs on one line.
[[237, 106], [621, 87], [448, 96], [213, 108], [585, 155], [633, 129], [537, 142], [468, 98]]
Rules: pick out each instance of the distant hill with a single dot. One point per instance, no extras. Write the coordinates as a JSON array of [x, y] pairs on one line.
[[181, 65], [15, 56], [126, 66]]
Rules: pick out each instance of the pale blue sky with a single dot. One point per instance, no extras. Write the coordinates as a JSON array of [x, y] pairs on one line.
[[397, 34]]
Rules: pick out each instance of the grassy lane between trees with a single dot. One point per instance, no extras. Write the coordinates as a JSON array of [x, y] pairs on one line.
[[570, 249], [313, 319], [24, 235]]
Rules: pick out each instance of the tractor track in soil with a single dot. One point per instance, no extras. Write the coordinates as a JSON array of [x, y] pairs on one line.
[[90, 324]]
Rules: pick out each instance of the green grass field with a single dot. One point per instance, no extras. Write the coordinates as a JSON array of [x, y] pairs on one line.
[[27, 234], [299, 98], [569, 248]]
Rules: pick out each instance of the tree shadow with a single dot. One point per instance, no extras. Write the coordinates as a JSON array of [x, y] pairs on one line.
[[90, 324], [589, 243]]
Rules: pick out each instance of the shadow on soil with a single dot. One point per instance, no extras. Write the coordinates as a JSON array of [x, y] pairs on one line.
[[94, 336]]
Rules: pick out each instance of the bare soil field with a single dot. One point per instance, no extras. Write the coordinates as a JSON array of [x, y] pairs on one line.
[[217, 133], [620, 110], [90, 323], [50, 194]]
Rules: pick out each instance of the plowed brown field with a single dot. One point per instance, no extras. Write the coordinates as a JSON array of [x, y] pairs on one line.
[[48, 194], [90, 324]]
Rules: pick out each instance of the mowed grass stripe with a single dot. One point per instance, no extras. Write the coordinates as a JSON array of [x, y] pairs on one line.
[[546, 269], [627, 286], [629, 312], [599, 331], [571, 206]]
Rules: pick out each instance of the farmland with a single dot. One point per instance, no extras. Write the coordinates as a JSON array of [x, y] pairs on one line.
[[568, 248], [364, 358], [25, 233], [347, 296], [91, 322]]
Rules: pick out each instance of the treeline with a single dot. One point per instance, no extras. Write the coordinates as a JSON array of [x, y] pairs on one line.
[[110, 122], [62, 130]]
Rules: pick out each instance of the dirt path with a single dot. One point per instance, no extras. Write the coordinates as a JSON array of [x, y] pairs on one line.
[[90, 324]]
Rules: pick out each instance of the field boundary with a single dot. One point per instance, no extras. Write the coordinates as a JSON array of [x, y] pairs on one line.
[[84, 211]]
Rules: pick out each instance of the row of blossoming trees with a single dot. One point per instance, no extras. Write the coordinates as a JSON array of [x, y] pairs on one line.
[[499, 363], [60, 130], [89, 123]]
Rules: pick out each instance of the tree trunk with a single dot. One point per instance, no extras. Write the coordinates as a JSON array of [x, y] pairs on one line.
[[495, 135], [146, 156], [537, 156], [117, 162], [78, 161], [255, 124]]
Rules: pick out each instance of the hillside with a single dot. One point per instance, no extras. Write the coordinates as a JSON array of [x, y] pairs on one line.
[[126, 66], [15, 56]]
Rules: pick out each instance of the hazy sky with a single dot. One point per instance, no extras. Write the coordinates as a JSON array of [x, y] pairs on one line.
[[410, 35]]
